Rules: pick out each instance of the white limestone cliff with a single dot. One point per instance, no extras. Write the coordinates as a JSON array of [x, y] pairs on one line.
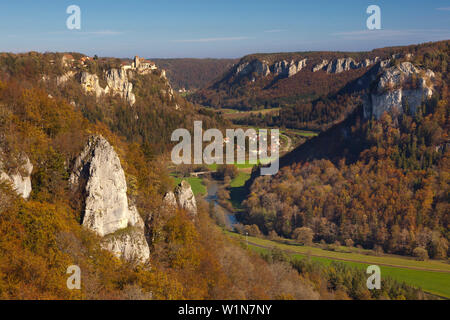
[[129, 244], [90, 84], [343, 64], [20, 177], [117, 84], [170, 200], [262, 68], [65, 77], [99, 174], [183, 198], [395, 89], [296, 68], [320, 66]]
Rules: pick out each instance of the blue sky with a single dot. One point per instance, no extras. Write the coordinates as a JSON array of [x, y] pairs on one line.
[[218, 29]]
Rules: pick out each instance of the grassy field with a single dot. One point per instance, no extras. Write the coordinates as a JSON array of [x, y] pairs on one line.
[[237, 190], [196, 183], [213, 167], [302, 133], [410, 271], [236, 114], [240, 180]]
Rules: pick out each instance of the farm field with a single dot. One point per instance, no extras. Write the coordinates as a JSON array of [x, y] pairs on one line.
[[432, 276]]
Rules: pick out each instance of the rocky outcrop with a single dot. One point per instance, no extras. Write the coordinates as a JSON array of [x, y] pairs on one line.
[[343, 64], [296, 68], [99, 176], [262, 68], [106, 209], [285, 68], [288, 69], [129, 244], [398, 87], [320, 66], [64, 78], [19, 177], [368, 62], [170, 200], [117, 84], [185, 197], [90, 84]]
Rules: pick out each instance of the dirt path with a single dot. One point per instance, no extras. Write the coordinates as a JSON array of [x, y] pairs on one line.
[[351, 260]]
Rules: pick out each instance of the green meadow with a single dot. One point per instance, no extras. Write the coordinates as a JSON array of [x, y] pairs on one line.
[[432, 276], [196, 183]]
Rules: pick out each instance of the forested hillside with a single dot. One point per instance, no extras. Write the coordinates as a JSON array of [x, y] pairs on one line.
[[380, 183], [194, 74], [65, 116], [276, 80], [311, 96], [42, 235]]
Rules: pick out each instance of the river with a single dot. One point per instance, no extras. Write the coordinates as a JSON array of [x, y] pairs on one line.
[[213, 188]]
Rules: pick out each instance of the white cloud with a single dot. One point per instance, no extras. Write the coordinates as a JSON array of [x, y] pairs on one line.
[[104, 33], [444, 9], [214, 39], [95, 33], [274, 31]]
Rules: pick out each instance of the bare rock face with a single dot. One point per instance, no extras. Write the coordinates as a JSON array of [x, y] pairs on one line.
[[343, 64], [242, 69], [91, 85], [295, 68], [117, 84], [397, 87], [320, 66], [100, 176], [170, 200], [262, 68], [288, 69], [107, 208], [129, 244], [185, 197], [64, 78], [368, 62], [20, 177]]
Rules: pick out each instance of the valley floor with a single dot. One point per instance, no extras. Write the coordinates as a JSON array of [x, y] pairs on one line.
[[432, 276]]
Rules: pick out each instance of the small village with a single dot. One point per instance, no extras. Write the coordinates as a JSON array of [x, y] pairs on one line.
[[138, 64]]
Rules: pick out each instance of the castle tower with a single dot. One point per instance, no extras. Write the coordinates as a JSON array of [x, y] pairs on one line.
[[137, 62]]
